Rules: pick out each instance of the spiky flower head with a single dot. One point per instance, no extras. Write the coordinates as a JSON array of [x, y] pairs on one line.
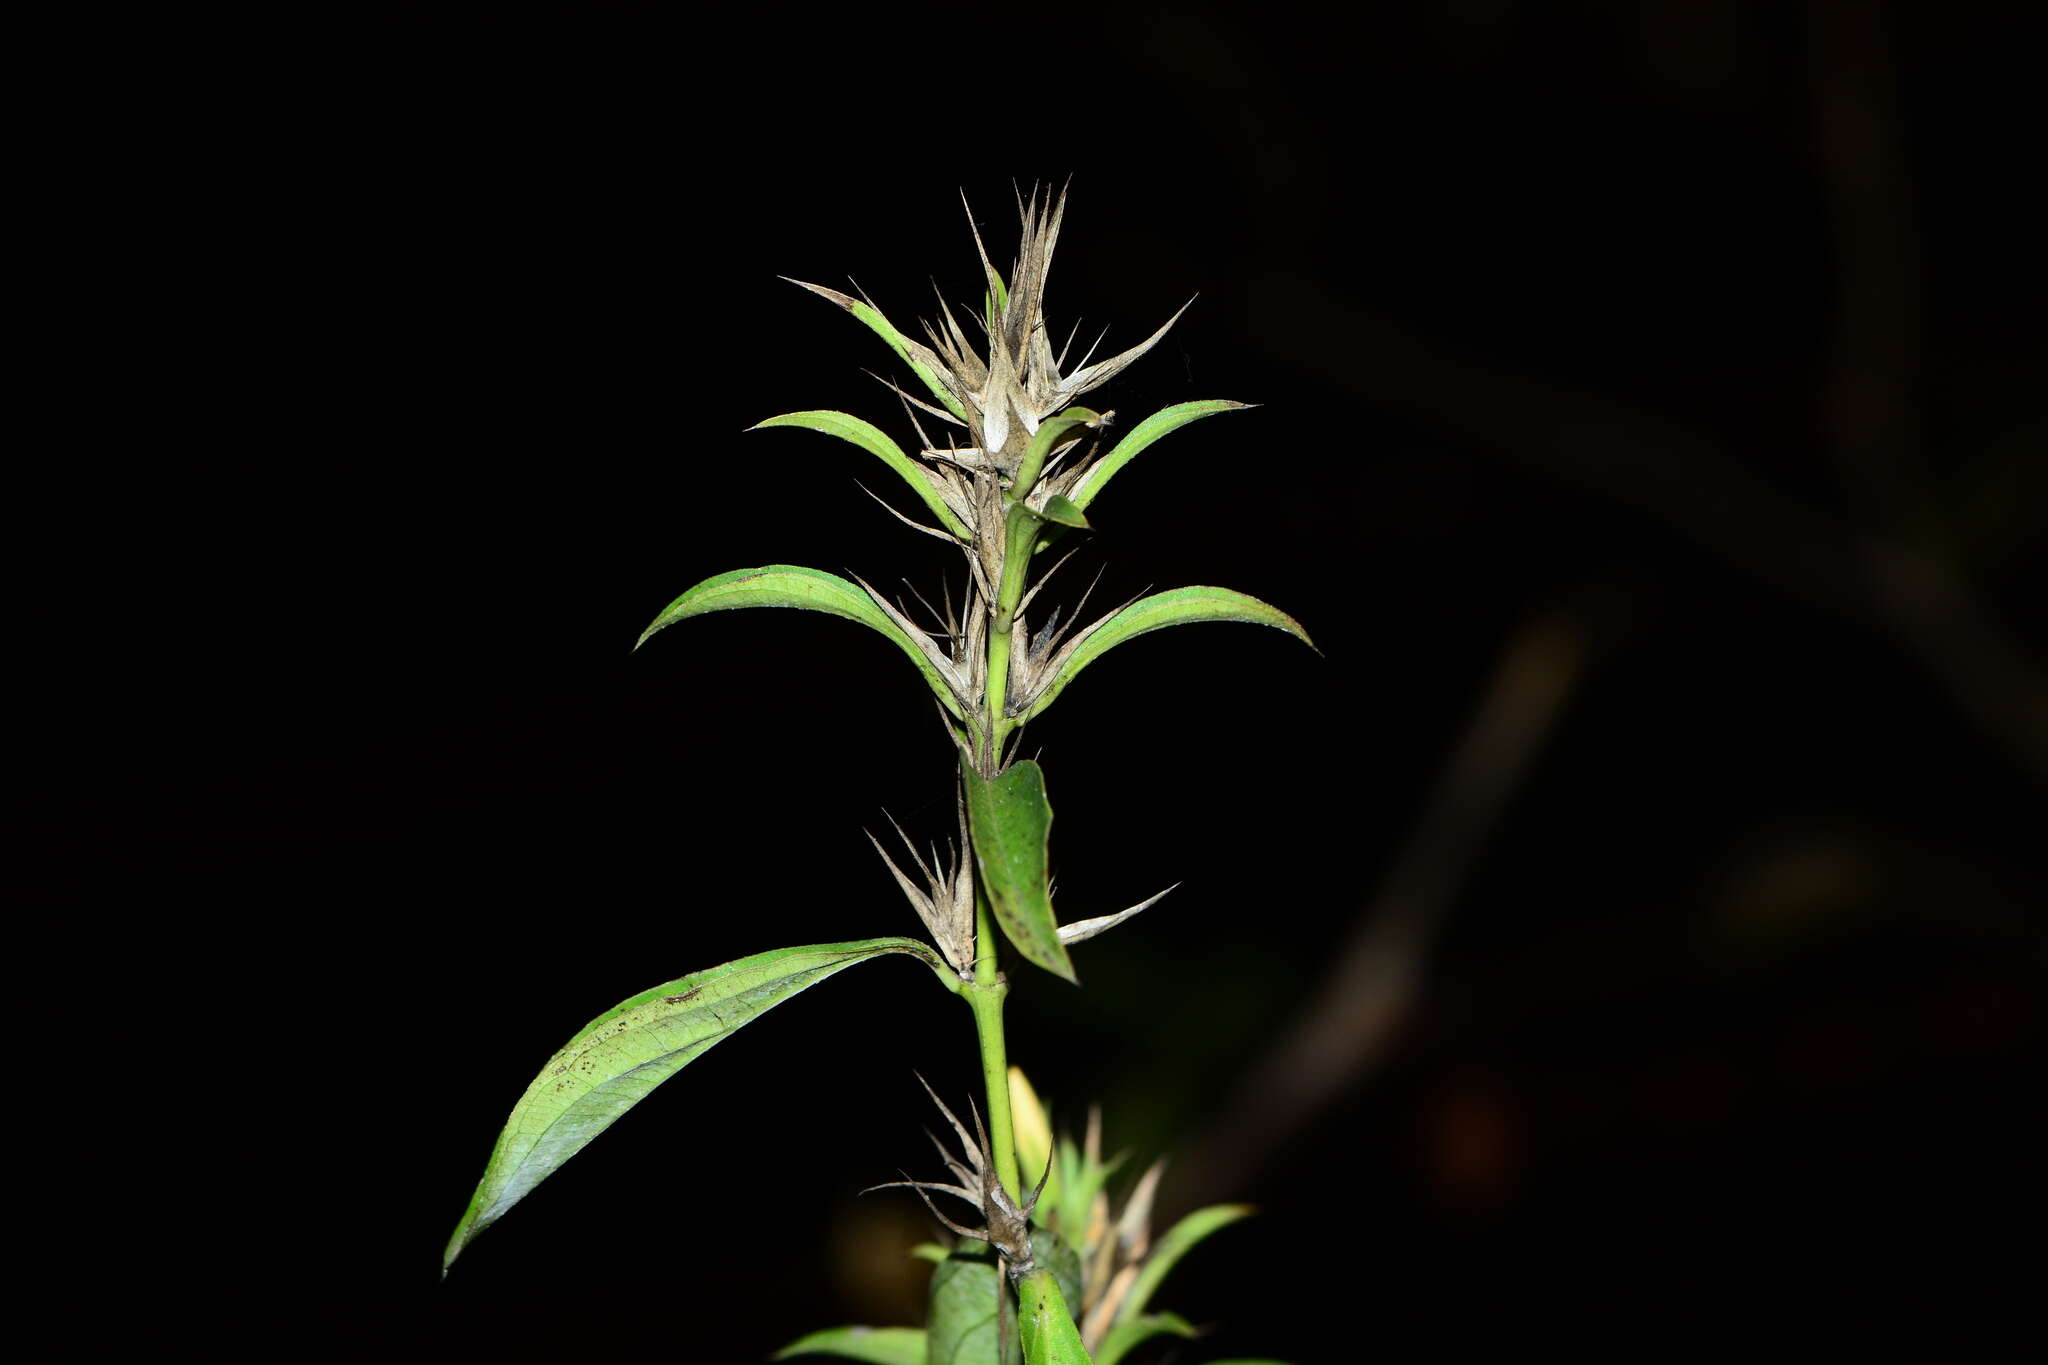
[[1003, 390]]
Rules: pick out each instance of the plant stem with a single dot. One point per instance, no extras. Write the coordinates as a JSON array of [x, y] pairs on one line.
[[985, 998]]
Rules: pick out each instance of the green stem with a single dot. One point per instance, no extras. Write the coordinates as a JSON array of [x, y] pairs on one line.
[[985, 998], [1020, 530]]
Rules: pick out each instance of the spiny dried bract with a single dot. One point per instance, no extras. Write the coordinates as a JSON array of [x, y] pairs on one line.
[[1121, 1263], [1000, 396], [946, 900], [1006, 1224]]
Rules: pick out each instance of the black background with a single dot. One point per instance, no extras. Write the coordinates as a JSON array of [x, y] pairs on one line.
[[396, 377]]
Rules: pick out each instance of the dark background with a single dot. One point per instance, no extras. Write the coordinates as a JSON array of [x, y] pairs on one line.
[[1628, 934]]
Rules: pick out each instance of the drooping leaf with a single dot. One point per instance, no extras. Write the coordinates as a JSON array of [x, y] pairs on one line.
[[1125, 1335], [1043, 1321], [1010, 823], [1141, 436], [963, 1326], [618, 1058], [1166, 1253], [1175, 607], [922, 362], [790, 585], [875, 1345], [873, 439]]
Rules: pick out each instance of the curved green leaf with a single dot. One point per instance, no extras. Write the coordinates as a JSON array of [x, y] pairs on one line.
[[1167, 1251], [1061, 510], [1047, 1328], [1010, 824], [873, 439], [1175, 607], [1143, 435], [963, 1326], [875, 1345], [920, 359], [1049, 434], [618, 1058], [1117, 1343], [789, 585]]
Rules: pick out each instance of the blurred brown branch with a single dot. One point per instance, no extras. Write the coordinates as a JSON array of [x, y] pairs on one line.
[[1345, 1032]]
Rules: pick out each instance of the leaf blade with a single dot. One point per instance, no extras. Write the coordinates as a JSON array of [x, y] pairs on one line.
[[1120, 1339], [1180, 1239], [1174, 607], [1159, 424], [874, 1345], [922, 362], [792, 585], [964, 1316], [1044, 1323], [871, 438], [618, 1059], [1009, 822]]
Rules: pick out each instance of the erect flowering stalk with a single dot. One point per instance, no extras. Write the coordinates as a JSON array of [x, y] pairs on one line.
[[1007, 490], [1020, 465]]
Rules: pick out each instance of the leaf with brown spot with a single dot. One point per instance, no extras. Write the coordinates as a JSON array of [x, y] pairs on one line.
[[666, 1029]]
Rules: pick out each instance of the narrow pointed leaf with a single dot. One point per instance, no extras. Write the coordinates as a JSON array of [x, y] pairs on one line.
[[1175, 607], [788, 585], [1125, 1335], [1141, 436], [875, 1345], [1178, 1241], [873, 439], [918, 358], [1050, 433], [619, 1057], [1043, 1321], [1010, 822]]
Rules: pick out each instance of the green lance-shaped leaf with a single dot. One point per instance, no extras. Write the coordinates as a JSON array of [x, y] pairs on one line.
[[875, 1345], [1167, 1251], [788, 585], [620, 1056], [1120, 1339], [921, 359], [1141, 436], [1043, 1322], [1010, 823], [1050, 433], [962, 1326], [874, 440], [1175, 607]]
